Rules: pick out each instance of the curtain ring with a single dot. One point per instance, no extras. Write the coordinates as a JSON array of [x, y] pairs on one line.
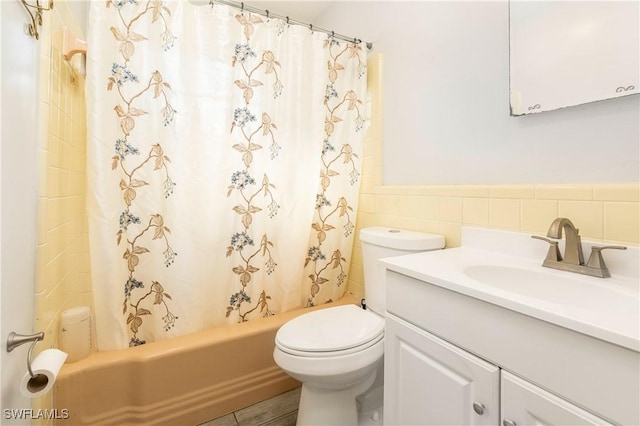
[[311, 27], [333, 34], [287, 20], [267, 12], [241, 7]]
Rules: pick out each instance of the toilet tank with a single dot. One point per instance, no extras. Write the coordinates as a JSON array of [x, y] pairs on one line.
[[379, 242]]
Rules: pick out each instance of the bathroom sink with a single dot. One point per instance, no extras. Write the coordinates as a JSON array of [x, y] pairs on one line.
[[504, 269], [591, 294]]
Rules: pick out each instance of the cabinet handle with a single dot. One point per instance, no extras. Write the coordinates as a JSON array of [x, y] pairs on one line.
[[507, 422], [478, 408]]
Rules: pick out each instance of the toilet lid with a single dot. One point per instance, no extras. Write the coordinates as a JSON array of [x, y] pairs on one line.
[[331, 329]]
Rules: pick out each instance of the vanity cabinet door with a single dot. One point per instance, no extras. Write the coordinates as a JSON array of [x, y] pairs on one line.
[[523, 403], [431, 382]]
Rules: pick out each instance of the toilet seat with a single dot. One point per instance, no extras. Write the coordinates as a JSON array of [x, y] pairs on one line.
[[331, 332], [326, 354]]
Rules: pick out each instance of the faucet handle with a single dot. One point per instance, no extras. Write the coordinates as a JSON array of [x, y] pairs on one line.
[[554, 252], [600, 248], [597, 261]]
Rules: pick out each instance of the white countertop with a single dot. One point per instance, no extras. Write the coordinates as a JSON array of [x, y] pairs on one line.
[[605, 308]]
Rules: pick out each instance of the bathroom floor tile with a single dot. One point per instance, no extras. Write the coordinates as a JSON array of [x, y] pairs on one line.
[[268, 410], [228, 420], [281, 410], [286, 420]]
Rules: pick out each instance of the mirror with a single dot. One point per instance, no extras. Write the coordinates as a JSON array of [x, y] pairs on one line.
[[565, 53]]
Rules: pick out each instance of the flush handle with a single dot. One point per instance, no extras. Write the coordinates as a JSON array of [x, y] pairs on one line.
[[478, 408]]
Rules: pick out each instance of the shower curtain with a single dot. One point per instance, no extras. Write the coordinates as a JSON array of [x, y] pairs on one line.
[[224, 156]]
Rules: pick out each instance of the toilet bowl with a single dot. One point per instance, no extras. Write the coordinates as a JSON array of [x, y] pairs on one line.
[[335, 363], [337, 353]]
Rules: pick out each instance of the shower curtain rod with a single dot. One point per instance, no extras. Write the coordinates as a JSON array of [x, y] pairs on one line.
[[243, 7]]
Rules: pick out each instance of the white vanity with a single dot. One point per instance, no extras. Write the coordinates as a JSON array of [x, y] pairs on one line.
[[484, 335]]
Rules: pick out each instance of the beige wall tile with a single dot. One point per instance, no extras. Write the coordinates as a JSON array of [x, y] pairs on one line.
[[368, 166], [439, 190], [430, 226], [430, 208], [378, 177], [451, 209], [537, 215], [388, 204], [564, 192], [62, 259], [504, 213], [475, 211], [474, 191], [355, 288], [411, 206], [621, 192], [364, 220], [356, 274], [452, 233], [401, 222], [395, 190], [585, 215], [513, 191], [356, 255], [374, 78], [367, 203], [622, 222]]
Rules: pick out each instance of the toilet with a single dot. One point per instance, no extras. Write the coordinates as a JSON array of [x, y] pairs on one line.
[[337, 352]]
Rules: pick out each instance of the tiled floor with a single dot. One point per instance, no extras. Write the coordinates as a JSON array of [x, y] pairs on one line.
[[281, 410]]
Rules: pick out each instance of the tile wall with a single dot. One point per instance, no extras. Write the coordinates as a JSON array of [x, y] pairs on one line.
[[602, 212], [62, 255]]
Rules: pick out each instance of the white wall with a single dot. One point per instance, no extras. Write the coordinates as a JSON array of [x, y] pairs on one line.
[[446, 102], [19, 125]]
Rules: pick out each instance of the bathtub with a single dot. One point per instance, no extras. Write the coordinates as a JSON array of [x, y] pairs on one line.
[[182, 381]]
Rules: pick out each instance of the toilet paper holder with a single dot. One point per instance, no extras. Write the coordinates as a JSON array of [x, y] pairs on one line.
[[14, 340]]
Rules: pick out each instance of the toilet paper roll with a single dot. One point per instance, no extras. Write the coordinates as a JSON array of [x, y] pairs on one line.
[[45, 368]]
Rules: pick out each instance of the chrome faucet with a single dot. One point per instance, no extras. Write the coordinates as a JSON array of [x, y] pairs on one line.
[[573, 260]]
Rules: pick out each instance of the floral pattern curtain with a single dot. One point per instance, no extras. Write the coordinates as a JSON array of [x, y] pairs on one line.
[[223, 165]]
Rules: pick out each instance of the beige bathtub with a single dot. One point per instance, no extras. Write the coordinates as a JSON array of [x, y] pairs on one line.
[[183, 381]]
